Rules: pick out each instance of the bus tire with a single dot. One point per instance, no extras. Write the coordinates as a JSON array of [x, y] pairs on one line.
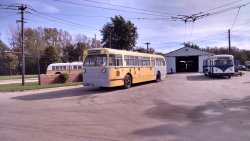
[[158, 77], [229, 76], [127, 81]]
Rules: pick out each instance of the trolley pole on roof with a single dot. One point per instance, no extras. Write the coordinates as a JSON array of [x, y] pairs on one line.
[[22, 9], [147, 45]]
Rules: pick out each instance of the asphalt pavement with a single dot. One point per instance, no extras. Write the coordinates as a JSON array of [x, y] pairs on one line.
[[184, 107]]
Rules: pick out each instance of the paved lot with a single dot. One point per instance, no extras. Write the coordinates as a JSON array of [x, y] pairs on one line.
[[184, 107]]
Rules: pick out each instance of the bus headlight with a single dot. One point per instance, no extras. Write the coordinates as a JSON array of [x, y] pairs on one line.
[[84, 70], [104, 70]]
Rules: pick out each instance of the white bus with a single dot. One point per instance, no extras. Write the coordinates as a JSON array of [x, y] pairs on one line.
[[58, 68], [219, 65], [105, 67]]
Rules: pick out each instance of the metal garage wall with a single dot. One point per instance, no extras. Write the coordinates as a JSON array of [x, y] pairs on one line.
[[201, 58], [170, 64], [185, 51]]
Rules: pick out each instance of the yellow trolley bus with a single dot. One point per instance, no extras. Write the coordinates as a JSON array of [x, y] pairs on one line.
[[104, 67]]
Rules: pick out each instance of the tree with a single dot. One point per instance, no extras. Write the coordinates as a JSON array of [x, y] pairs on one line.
[[119, 33], [68, 54], [191, 45], [239, 54], [3, 46], [144, 50], [50, 56], [80, 47], [9, 63]]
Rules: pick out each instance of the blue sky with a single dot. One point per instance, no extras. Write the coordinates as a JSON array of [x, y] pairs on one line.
[[164, 35]]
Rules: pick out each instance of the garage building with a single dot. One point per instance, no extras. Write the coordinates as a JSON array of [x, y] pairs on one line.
[[186, 59]]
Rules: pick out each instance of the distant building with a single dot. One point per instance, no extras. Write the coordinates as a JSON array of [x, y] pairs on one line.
[[186, 59]]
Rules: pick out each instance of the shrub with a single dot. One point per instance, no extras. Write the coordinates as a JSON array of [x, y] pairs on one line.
[[80, 77], [63, 77]]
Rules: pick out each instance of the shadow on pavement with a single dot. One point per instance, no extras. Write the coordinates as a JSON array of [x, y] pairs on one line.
[[73, 92], [66, 93], [222, 120], [203, 78]]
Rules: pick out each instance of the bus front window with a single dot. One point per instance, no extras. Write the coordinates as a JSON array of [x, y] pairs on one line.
[[223, 62], [95, 60]]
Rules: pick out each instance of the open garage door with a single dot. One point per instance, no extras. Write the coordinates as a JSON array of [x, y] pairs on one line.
[[187, 64]]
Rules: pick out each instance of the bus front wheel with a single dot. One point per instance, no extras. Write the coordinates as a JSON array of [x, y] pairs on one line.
[[127, 82]]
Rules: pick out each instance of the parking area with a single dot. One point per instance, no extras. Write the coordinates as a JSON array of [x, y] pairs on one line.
[[184, 107]]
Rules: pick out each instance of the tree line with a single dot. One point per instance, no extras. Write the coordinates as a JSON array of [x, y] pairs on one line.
[[51, 44], [240, 55], [56, 45]]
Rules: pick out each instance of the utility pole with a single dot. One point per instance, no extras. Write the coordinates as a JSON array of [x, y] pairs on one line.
[[22, 9], [229, 42], [95, 42], [38, 62], [147, 45]]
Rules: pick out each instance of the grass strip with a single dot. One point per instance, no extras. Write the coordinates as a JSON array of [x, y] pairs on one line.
[[34, 86], [17, 77]]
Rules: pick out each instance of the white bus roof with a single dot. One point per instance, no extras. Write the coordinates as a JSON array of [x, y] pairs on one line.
[[221, 55], [116, 51]]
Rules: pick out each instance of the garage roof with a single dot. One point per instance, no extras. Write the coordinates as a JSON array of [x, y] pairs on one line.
[[187, 51]]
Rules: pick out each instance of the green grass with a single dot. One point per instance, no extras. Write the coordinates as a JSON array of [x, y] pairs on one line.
[[33, 86], [17, 77]]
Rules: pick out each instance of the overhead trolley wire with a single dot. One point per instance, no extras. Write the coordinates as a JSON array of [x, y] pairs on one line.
[[127, 7], [220, 6], [113, 9], [191, 31], [59, 19], [235, 18]]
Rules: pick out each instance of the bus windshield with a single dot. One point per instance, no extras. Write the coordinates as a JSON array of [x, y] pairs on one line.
[[95, 60], [223, 62]]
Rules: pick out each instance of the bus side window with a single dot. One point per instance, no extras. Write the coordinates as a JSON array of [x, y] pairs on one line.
[[153, 61], [118, 60], [111, 60], [126, 57], [148, 61], [79, 67], [144, 61], [140, 61], [57, 67], [53, 68], [163, 62], [157, 62], [64, 67], [131, 60], [75, 67], [136, 63]]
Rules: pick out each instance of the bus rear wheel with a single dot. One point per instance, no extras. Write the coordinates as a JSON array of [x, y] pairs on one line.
[[158, 77], [127, 82]]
